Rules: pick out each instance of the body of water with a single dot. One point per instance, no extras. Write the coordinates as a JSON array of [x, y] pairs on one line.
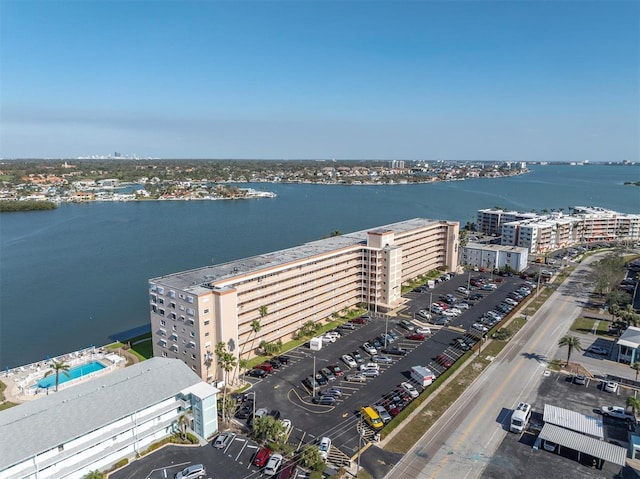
[[77, 275]]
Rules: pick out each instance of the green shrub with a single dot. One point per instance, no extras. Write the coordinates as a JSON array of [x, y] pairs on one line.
[[121, 463]]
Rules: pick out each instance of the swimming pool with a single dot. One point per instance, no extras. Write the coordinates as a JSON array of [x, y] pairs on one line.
[[73, 373]]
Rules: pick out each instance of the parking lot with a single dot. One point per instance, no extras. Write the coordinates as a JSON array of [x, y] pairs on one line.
[[516, 453], [283, 390]]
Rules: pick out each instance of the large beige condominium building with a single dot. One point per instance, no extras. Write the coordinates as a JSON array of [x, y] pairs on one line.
[[194, 310], [490, 220]]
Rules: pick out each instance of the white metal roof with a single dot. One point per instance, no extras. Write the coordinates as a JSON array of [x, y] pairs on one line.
[[585, 444], [42, 424], [589, 425], [630, 338]]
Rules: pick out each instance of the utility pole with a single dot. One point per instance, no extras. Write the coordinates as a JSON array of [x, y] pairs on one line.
[[359, 443]]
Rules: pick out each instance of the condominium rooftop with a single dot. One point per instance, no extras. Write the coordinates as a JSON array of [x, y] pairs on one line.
[[497, 247], [37, 426], [198, 280]]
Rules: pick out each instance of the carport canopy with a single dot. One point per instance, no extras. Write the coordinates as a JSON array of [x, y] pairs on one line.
[[584, 444], [589, 425]]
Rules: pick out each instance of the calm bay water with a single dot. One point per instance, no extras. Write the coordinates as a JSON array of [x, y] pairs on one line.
[[78, 275]]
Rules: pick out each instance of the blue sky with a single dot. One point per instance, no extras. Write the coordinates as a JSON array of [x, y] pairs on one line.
[[511, 80]]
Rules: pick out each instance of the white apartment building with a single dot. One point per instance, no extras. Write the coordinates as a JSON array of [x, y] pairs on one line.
[[493, 256], [194, 310], [93, 425], [548, 232]]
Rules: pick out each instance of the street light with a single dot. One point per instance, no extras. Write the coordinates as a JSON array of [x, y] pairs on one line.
[[359, 428]]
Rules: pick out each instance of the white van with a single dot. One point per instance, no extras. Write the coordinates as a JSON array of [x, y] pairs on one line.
[[520, 417]]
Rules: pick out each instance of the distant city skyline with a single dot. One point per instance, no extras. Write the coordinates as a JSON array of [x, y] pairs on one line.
[[379, 80]]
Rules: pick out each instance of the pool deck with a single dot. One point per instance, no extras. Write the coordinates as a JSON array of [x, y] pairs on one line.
[[20, 380]]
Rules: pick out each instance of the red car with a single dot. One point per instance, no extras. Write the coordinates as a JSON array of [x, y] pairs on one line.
[[265, 367], [443, 360], [417, 337], [335, 369], [359, 321], [262, 456]]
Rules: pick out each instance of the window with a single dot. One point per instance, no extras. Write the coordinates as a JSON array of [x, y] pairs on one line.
[[160, 300], [193, 356], [190, 299], [172, 294], [153, 308], [206, 334], [192, 334], [163, 343], [152, 286], [163, 322], [161, 312], [191, 311], [206, 323], [172, 315], [191, 322], [206, 311], [173, 305], [181, 296], [164, 354], [160, 290], [153, 297]]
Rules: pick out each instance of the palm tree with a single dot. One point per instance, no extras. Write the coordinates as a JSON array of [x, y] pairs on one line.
[[227, 361], [57, 367], [571, 342], [634, 404], [183, 421]]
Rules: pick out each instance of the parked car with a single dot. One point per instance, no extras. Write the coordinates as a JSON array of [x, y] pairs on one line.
[[356, 378], [423, 330], [326, 372], [191, 472], [357, 356], [322, 381], [275, 414], [416, 337], [395, 350], [335, 369], [598, 350], [443, 360], [310, 383], [383, 413], [617, 412], [334, 392], [349, 326], [476, 297], [370, 373], [259, 413], [349, 361], [408, 325], [369, 348], [275, 363], [261, 457], [423, 313], [256, 373], [381, 358], [440, 321], [324, 446], [413, 392], [580, 379], [463, 290], [480, 327], [273, 465], [324, 400], [283, 359], [223, 440], [359, 320], [611, 387], [266, 366]]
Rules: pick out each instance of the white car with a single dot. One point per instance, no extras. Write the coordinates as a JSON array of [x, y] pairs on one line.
[[369, 348], [288, 425], [462, 305], [611, 387], [463, 290], [369, 367], [423, 313], [272, 467], [381, 358], [615, 411], [480, 327], [325, 445], [410, 389], [423, 330], [224, 439], [436, 308], [349, 361], [356, 378]]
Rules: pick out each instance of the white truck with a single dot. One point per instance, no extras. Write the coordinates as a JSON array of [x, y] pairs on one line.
[[520, 417], [423, 376]]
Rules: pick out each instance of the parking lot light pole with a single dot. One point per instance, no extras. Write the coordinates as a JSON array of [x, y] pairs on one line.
[[386, 330], [313, 377], [359, 443]]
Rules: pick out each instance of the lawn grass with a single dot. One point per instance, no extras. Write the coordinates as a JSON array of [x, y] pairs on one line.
[[584, 325], [4, 404], [143, 349]]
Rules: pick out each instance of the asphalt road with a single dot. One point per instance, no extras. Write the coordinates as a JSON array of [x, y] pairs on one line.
[[461, 443]]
